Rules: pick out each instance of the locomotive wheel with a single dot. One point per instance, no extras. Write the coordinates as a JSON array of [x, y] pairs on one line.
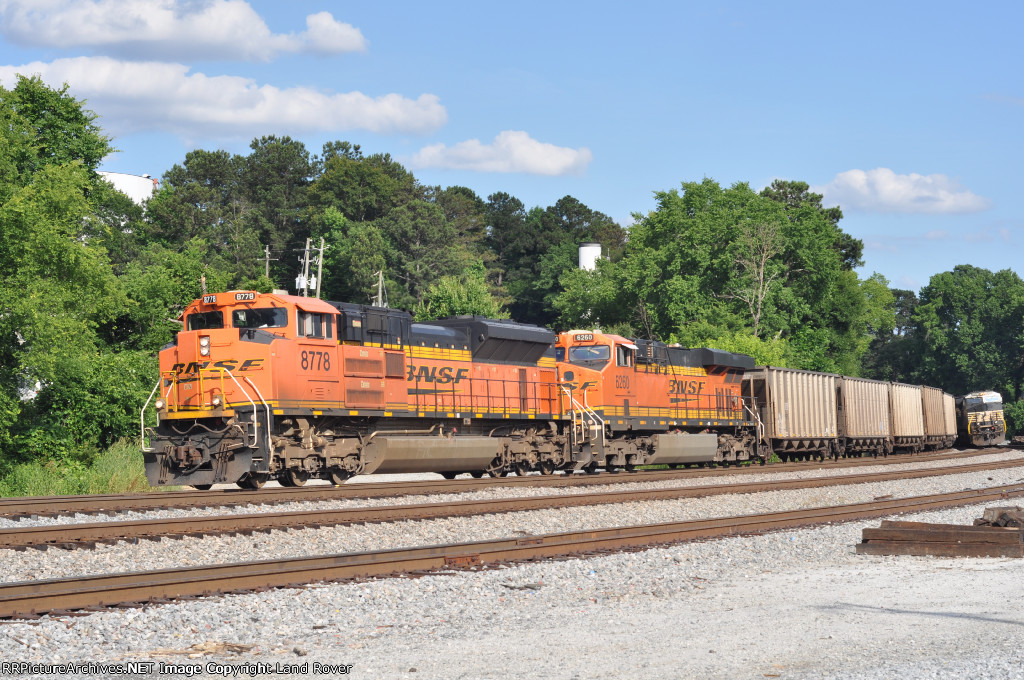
[[293, 478], [252, 481], [590, 468], [449, 475], [202, 487], [546, 467], [338, 476], [476, 474], [521, 469], [499, 472]]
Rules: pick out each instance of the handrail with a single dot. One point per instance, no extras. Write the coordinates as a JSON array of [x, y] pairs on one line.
[[254, 443], [142, 418], [594, 415], [572, 410], [266, 406], [756, 418], [255, 434]]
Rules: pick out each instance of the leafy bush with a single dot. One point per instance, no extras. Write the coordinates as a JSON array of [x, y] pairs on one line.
[[1014, 413], [119, 469]]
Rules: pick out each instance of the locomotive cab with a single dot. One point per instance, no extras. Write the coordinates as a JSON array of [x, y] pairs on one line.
[[980, 420]]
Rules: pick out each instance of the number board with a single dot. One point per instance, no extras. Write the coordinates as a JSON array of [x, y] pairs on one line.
[[583, 337], [245, 296], [209, 299]]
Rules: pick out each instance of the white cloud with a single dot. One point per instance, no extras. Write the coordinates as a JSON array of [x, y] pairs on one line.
[[136, 96], [511, 151], [989, 235], [169, 30], [882, 190], [882, 245]]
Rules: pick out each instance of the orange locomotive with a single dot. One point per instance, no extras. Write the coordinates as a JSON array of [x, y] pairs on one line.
[[260, 386]]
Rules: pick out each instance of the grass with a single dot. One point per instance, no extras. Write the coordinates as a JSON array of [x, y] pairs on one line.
[[117, 470]]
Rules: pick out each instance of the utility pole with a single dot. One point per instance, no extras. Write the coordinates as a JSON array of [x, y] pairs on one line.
[[305, 271], [380, 299], [319, 267], [266, 260]]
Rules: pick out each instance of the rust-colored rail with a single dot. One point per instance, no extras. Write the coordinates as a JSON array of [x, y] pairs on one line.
[[32, 598], [49, 506], [74, 535]]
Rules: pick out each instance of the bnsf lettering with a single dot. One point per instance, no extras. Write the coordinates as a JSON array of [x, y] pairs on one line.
[[685, 386], [432, 374], [227, 365]]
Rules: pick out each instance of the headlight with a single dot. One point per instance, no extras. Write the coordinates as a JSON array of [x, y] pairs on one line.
[[217, 401], [160, 403], [204, 345]]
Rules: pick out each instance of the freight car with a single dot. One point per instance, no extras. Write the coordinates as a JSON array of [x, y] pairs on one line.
[[939, 411], [260, 386], [980, 421]]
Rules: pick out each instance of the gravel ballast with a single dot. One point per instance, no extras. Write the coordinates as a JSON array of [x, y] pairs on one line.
[[793, 604]]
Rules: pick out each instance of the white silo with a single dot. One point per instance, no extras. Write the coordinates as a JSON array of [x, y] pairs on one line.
[[590, 253]]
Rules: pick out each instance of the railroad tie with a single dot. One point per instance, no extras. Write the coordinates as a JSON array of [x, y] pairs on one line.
[[942, 540]]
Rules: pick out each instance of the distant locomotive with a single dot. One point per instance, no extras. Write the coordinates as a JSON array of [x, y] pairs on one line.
[[274, 386], [980, 419]]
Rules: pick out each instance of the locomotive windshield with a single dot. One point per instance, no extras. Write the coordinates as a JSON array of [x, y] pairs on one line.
[[201, 321], [265, 317], [980, 404], [590, 355]]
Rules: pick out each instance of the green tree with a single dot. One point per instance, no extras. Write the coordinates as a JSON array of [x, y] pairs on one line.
[[62, 130], [423, 249], [970, 323], [356, 251], [534, 248], [712, 262], [362, 188], [895, 356], [459, 295], [56, 289], [202, 198], [274, 179]]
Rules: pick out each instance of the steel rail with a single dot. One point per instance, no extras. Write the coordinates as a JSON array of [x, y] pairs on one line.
[[32, 598], [87, 534], [50, 506]]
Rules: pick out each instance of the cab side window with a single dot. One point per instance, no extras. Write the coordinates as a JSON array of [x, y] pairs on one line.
[[314, 325], [623, 356]]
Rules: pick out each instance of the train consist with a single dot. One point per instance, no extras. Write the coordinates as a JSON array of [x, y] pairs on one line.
[[273, 386]]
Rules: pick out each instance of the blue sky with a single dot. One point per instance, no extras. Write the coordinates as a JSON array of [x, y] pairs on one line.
[[907, 115]]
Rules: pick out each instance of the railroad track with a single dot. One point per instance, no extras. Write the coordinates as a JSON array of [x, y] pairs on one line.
[[52, 506], [29, 599], [88, 534]]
